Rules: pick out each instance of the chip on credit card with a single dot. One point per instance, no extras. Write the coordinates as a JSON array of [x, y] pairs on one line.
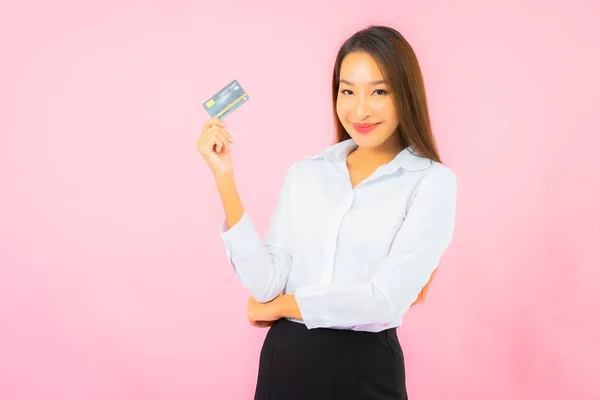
[[226, 100]]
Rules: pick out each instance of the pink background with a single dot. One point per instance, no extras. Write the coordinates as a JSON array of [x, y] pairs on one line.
[[113, 280]]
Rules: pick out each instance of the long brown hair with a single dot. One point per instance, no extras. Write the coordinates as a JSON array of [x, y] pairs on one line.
[[400, 68]]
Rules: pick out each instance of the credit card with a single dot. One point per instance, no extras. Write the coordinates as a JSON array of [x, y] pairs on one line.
[[226, 100]]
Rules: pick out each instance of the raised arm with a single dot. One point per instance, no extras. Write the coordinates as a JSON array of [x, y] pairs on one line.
[[263, 268]]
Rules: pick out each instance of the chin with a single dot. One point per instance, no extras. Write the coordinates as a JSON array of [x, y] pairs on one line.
[[368, 141]]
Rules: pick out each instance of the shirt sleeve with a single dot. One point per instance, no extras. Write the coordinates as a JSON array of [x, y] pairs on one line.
[[415, 253], [263, 267]]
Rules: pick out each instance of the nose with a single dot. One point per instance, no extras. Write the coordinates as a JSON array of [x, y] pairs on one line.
[[362, 109]]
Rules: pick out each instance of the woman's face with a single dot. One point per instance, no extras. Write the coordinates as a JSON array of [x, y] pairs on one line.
[[364, 104]]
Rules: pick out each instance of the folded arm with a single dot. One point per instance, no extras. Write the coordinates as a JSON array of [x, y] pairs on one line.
[[414, 255]]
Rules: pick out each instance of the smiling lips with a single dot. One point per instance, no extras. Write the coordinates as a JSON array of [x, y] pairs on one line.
[[364, 128]]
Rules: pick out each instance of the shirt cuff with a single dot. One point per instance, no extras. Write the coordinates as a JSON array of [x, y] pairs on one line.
[[351, 305], [310, 304], [241, 240]]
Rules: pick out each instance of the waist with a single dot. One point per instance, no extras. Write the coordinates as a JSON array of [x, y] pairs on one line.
[[374, 328], [298, 325]]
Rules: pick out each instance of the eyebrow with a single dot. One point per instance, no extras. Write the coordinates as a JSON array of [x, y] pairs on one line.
[[371, 83]]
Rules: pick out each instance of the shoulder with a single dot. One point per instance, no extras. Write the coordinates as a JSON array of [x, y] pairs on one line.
[[297, 170], [306, 166], [440, 173], [438, 179]]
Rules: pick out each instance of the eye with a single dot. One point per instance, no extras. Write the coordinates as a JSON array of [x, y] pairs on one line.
[[346, 91], [381, 91]]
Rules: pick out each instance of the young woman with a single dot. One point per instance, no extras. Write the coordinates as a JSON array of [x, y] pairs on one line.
[[356, 235]]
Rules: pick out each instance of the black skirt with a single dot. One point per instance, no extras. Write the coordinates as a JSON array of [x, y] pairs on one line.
[[318, 364]]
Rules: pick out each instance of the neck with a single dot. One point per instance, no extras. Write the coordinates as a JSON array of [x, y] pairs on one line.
[[377, 155]]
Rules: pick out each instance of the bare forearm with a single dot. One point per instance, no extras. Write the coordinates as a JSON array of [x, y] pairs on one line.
[[232, 204], [287, 307]]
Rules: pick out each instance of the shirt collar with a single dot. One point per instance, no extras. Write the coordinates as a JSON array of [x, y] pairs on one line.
[[407, 159]]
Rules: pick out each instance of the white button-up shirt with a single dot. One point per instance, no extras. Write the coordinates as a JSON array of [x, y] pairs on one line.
[[355, 258]]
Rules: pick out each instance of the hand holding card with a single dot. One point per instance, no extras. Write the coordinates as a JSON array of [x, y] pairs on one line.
[[214, 144], [214, 141]]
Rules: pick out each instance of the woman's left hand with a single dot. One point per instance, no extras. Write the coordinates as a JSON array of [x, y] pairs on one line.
[[262, 315]]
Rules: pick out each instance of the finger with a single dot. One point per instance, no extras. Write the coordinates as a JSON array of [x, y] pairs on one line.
[[222, 131], [259, 324], [212, 122], [220, 145], [213, 140], [221, 142], [227, 134], [203, 146], [206, 144]]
